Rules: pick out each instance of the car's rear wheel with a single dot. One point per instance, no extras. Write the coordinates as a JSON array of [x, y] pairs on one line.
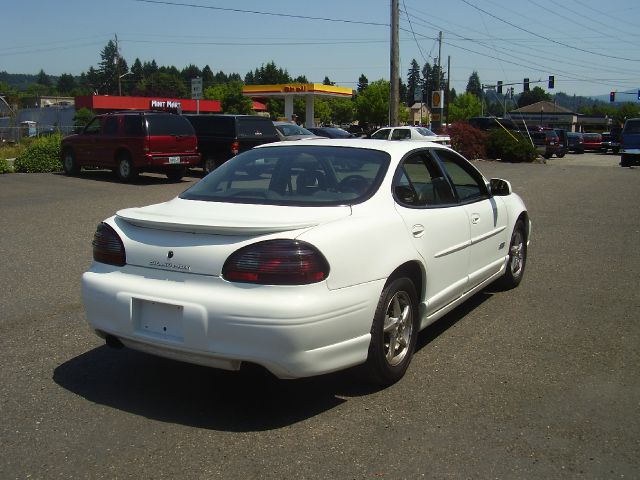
[[126, 171], [625, 161], [393, 333], [69, 163], [209, 164], [517, 258]]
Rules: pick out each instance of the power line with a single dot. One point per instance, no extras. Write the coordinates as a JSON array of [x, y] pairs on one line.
[[257, 12], [547, 38]]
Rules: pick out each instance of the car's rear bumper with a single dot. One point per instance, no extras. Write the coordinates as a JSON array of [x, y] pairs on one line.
[[293, 331], [173, 160]]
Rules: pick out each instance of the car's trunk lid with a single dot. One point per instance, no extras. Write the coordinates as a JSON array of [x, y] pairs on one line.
[[197, 237]]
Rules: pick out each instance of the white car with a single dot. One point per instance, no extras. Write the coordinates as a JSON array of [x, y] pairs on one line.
[[410, 133], [306, 257]]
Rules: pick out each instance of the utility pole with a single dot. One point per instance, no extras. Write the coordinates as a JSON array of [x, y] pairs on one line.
[[394, 95], [118, 66], [446, 94], [436, 124]]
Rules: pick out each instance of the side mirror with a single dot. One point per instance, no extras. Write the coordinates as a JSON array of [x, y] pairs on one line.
[[499, 187]]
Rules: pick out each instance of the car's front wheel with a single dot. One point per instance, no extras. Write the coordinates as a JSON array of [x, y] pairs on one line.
[[393, 333], [517, 258]]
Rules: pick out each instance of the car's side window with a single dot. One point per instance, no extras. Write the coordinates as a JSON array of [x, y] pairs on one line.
[[111, 126], [381, 134], [400, 134], [133, 125], [94, 127], [466, 180], [420, 183]]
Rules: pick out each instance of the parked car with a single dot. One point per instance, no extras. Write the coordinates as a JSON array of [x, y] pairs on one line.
[[611, 140], [220, 137], [292, 131], [563, 142], [422, 134], [630, 143], [575, 142], [592, 142], [285, 269], [547, 143], [331, 132], [133, 142]]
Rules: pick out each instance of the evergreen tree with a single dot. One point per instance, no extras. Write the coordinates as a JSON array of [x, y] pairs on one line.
[[66, 84], [43, 79], [474, 86], [363, 83], [413, 83]]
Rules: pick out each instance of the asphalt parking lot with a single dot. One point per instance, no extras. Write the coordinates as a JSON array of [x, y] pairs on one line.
[[539, 382]]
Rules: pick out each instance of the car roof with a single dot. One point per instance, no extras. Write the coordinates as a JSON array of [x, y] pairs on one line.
[[393, 147]]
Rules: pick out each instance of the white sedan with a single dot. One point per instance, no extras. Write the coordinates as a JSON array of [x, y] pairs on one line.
[[306, 258], [422, 134]]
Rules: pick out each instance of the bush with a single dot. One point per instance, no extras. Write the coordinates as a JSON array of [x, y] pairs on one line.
[[42, 155], [468, 140], [4, 166], [510, 147]]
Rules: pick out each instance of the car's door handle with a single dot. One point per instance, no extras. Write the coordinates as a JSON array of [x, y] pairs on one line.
[[417, 230], [475, 218]]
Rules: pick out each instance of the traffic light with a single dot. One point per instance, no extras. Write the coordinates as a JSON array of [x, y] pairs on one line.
[[612, 96], [552, 81], [526, 85], [499, 88]]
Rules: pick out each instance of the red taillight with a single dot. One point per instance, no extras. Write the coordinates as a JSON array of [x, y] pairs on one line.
[[108, 247], [235, 148], [276, 262]]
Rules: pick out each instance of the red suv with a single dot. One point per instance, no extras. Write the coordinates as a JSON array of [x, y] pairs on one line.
[[133, 142]]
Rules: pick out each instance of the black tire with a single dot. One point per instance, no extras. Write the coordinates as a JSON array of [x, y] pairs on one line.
[[69, 164], [547, 155], [624, 160], [517, 258], [393, 333], [615, 150], [176, 174], [125, 170], [209, 164], [560, 155]]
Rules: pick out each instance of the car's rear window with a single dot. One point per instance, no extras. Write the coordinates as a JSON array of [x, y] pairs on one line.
[[295, 175], [256, 127], [168, 125]]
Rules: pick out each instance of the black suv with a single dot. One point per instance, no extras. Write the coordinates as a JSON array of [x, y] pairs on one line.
[[221, 137], [133, 142]]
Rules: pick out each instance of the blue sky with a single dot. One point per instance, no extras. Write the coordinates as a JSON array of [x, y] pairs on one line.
[[591, 47]]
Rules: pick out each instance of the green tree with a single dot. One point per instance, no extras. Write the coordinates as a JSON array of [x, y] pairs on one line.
[[363, 83], [465, 106], [162, 84], [82, 117], [110, 68], [207, 76], [473, 85], [43, 79], [231, 98], [626, 110], [430, 78], [269, 74], [66, 84], [372, 104], [537, 94], [327, 81], [414, 82]]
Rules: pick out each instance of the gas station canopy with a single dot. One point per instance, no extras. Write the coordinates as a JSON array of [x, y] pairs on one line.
[[290, 90]]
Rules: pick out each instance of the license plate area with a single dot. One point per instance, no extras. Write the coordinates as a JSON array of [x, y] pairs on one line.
[[157, 319], [174, 160]]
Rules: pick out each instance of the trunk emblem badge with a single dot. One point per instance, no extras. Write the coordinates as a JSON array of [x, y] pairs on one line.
[[170, 254]]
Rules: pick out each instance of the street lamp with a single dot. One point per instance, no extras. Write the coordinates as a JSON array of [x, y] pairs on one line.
[[120, 85]]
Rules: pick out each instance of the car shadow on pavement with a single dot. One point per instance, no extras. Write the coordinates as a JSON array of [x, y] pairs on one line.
[[107, 176], [249, 400]]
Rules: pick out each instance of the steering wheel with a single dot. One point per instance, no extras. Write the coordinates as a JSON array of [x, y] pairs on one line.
[[354, 184]]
